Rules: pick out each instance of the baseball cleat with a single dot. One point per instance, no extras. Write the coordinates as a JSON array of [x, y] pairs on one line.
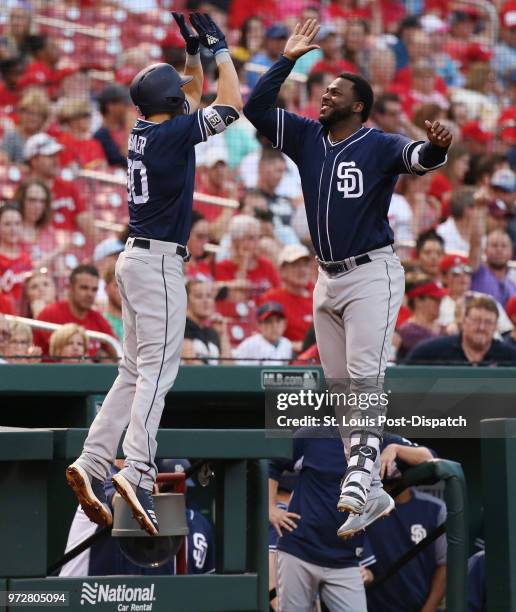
[[374, 509], [90, 493], [349, 501], [140, 501]]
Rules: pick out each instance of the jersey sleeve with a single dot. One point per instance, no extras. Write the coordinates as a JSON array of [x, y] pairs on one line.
[[187, 130], [285, 130], [368, 557], [401, 155]]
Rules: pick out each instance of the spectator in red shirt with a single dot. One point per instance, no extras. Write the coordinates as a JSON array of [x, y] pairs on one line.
[[81, 150], [295, 293], [200, 265], [215, 179], [316, 85], [331, 47], [69, 209], [78, 308], [42, 70], [256, 274], [15, 263]]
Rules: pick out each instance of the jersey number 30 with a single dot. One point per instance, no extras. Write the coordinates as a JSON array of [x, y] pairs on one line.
[[133, 167]]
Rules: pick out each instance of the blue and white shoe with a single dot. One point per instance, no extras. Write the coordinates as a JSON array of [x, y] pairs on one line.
[[374, 509], [91, 495], [140, 501]]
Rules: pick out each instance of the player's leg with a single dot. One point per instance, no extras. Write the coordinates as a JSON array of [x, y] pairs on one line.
[[297, 583], [329, 332], [376, 291], [88, 473], [160, 323], [343, 590]]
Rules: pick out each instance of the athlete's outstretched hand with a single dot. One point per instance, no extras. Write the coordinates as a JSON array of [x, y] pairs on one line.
[[301, 40], [191, 38], [210, 35], [437, 134]]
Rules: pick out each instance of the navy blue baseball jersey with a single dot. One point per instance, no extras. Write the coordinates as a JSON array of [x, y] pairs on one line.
[[161, 171], [347, 185], [387, 540], [322, 464]]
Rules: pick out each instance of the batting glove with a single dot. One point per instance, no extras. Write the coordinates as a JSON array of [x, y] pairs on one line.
[[210, 35], [191, 39]]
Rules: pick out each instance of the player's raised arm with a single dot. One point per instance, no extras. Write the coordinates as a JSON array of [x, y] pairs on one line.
[[260, 108], [228, 87], [193, 66], [283, 129]]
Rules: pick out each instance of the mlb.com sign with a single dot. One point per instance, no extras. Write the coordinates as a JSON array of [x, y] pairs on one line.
[[129, 599]]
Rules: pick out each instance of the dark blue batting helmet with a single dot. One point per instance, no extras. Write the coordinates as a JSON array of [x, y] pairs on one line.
[[157, 89]]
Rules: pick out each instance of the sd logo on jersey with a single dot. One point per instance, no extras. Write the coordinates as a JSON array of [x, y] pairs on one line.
[[351, 184]]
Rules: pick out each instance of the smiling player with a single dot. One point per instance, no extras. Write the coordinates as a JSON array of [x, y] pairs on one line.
[[348, 173]]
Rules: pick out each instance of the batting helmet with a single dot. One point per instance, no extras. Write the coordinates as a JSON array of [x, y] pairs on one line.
[[157, 89]]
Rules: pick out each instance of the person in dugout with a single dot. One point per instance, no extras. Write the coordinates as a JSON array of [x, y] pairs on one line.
[[311, 559]]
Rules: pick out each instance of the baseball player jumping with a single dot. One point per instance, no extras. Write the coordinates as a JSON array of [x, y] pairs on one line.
[[160, 184], [348, 173]]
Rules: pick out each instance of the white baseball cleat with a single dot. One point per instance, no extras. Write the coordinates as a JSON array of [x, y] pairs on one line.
[[374, 509]]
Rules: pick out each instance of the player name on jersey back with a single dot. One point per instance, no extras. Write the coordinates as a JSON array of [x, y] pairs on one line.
[[137, 143]]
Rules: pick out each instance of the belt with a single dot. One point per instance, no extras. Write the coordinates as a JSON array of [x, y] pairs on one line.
[[337, 267], [144, 243]]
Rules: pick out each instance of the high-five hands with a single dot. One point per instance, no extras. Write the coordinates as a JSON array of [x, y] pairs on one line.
[[191, 38], [301, 40], [210, 35]]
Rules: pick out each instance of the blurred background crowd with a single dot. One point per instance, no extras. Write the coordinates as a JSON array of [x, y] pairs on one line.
[[65, 115]]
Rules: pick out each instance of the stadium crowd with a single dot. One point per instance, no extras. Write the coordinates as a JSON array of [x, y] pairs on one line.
[[65, 114]]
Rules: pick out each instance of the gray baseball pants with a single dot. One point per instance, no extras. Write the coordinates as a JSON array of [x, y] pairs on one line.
[[354, 318], [152, 288], [298, 582]]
